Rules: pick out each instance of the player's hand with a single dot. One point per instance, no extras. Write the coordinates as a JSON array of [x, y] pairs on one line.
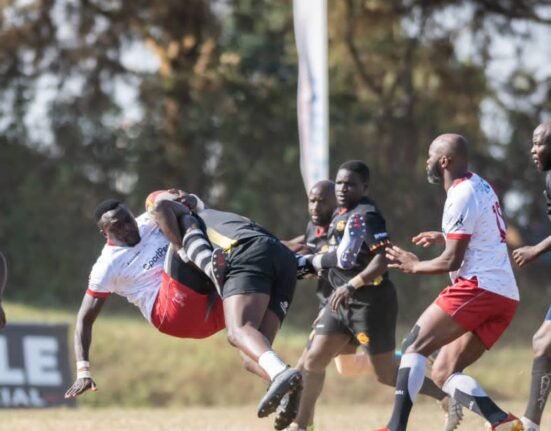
[[2, 317], [400, 259], [426, 239], [80, 386], [524, 255], [340, 297], [187, 199]]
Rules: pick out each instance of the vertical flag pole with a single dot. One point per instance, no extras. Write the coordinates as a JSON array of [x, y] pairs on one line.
[[310, 21]]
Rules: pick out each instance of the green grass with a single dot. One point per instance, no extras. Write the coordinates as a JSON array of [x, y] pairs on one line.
[[136, 366]]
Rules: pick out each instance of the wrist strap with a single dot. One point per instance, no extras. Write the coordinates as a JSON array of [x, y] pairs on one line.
[[83, 365], [84, 374], [349, 287], [356, 282]]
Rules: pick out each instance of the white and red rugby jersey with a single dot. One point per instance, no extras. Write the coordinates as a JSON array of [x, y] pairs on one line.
[[472, 211], [132, 272]]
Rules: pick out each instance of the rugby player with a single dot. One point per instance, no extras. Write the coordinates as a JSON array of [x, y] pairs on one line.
[[541, 367], [3, 280], [258, 290], [321, 204], [469, 316], [138, 263], [363, 305]]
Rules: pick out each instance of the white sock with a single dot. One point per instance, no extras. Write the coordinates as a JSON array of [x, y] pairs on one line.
[[416, 363], [271, 363], [465, 384], [529, 425]]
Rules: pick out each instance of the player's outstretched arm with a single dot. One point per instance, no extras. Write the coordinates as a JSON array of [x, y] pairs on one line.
[[89, 310], [524, 255], [450, 259], [426, 239], [3, 280]]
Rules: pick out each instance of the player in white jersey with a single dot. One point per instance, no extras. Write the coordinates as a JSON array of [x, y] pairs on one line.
[[541, 367], [140, 264], [469, 316]]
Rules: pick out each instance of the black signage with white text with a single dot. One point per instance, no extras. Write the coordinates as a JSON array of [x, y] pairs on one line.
[[34, 366]]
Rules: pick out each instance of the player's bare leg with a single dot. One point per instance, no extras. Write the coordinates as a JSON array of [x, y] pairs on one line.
[[246, 315], [541, 378], [322, 350]]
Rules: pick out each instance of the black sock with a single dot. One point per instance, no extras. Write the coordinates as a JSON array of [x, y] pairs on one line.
[[539, 388], [430, 389], [402, 402], [483, 406]]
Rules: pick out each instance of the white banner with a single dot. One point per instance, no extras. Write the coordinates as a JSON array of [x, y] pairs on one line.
[[310, 19]]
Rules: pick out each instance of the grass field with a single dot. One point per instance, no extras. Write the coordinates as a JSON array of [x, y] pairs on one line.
[[152, 382], [426, 416]]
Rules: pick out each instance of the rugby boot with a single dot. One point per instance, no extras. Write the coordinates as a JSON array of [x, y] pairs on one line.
[[351, 243], [288, 380], [529, 425], [287, 409], [453, 413], [510, 423]]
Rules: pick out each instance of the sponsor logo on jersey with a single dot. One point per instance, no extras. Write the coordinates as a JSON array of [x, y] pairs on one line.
[[459, 222], [362, 338], [380, 235], [159, 254], [133, 258], [341, 224]]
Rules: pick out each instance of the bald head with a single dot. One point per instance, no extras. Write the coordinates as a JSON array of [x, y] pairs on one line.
[[322, 202], [448, 159], [541, 146], [543, 133], [451, 145], [324, 187]]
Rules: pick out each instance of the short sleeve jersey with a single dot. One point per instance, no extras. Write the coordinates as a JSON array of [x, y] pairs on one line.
[[132, 272], [317, 242], [472, 211], [376, 235], [226, 230]]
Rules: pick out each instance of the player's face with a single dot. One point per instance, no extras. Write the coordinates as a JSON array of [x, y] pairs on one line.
[[121, 224], [541, 149], [434, 170], [349, 188], [321, 206]]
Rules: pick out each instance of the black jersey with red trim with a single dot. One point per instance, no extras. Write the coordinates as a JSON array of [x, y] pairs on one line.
[[227, 230], [317, 241], [548, 193], [376, 237]]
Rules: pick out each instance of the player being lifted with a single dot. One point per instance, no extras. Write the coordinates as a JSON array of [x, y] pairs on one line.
[[257, 292], [138, 263], [541, 367], [469, 316]]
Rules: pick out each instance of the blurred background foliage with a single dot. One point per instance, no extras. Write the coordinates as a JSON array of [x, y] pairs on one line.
[[103, 98]]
